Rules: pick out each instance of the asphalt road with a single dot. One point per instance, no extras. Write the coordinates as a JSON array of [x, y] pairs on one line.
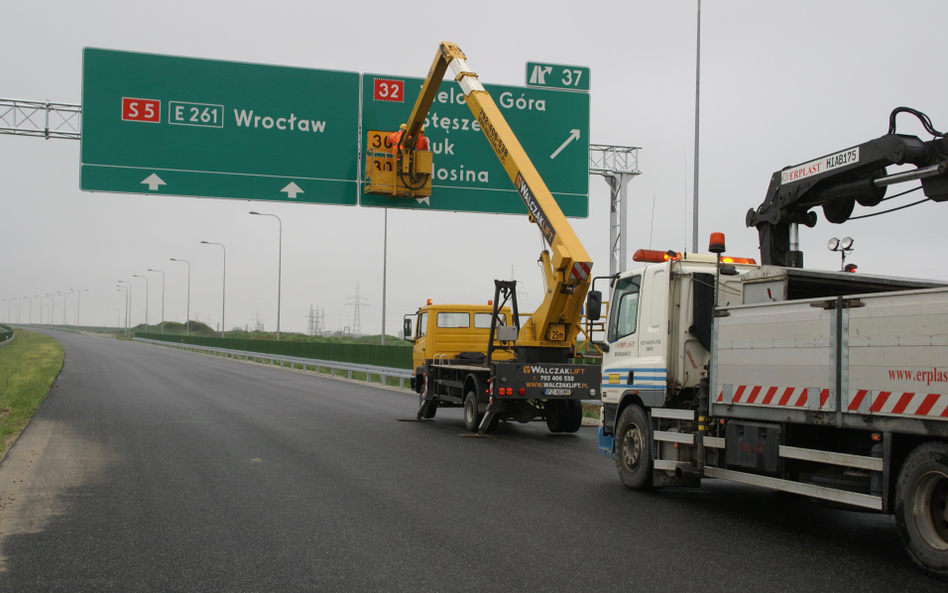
[[148, 469]]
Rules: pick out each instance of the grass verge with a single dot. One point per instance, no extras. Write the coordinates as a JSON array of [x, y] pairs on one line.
[[28, 366]]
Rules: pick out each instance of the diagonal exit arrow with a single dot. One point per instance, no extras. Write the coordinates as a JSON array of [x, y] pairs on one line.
[[153, 181], [291, 190], [573, 135]]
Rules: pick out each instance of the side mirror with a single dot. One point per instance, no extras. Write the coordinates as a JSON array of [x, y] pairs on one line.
[[593, 305], [406, 329]]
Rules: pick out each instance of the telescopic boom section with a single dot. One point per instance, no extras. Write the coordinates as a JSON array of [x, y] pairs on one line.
[[567, 266]]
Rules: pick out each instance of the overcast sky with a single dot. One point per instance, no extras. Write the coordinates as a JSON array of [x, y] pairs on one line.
[[781, 84]]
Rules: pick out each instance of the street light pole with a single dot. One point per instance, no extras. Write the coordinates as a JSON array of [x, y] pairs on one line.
[[128, 309], [127, 299], [64, 305], [162, 298], [279, 267], [68, 292], [694, 224], [146, 298], [187, 319], [223, 284], [384, 272], [78, 302]]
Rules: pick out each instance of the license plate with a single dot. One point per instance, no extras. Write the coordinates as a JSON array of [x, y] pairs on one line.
[[558, 392]]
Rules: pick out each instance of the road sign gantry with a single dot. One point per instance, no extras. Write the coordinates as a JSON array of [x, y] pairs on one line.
[[169, 125]]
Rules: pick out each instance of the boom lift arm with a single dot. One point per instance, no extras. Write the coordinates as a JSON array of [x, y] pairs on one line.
[[837, 181], [566, 265]]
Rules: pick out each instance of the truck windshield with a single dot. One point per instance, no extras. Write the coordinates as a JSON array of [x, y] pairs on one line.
[[625, 308]]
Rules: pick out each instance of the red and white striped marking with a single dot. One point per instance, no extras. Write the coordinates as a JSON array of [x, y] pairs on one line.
[[580, 270], [861, 401], [930, 405], [779, 397]]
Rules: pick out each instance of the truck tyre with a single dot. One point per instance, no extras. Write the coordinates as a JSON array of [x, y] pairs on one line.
[[921, 507], [633, 448], [422, 394], [574, 416], [556, 414], [472, 418]]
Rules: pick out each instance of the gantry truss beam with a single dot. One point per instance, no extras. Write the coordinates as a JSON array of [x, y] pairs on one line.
[[618, 165], [42, 119]]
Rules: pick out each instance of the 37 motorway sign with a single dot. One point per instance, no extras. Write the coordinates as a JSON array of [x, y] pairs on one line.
[[552, 126], [182, 126], [558, 76]]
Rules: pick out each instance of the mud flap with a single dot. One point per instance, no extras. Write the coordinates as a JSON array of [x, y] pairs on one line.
[[607, 445]]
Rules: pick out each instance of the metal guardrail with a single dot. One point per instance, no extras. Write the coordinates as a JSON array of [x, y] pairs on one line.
[[349, 368]]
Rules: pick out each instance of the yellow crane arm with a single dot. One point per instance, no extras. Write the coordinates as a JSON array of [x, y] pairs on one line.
[[567, 266]]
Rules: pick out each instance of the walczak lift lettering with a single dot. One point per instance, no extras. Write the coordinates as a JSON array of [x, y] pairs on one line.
[[247, 119]]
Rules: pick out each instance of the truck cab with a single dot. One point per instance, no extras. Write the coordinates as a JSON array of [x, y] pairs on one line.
[[450, 332], [659, 328]]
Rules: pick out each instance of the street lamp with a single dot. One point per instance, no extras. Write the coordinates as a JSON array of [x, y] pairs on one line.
[[127, 299], [279, 266], [50, 309], [78, 302], [187, 319], [223, 283], [64, 305], [128, 309], [146, 298], [162, 298], [65, 296], [844, 246]]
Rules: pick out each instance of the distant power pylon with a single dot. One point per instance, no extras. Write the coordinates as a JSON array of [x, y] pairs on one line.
[[357, 304], [313, 327], [316, 324], [258, 320]]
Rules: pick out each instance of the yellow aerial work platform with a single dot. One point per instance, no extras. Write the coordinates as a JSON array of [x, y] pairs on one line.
[[406, 174]]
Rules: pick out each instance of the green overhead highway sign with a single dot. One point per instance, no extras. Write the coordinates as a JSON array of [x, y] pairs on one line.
[[558, 76], [552, 126], [181, 126]]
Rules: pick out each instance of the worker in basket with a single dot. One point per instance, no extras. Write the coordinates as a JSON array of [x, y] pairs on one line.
[[395, 139]]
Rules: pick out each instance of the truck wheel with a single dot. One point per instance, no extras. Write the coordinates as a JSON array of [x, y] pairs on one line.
[[556, 413], [633, 449], [433, 406], [921, 506], [472, 419], [574, 416]]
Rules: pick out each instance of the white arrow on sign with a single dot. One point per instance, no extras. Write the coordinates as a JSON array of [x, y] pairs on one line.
[[153, 181], [291, 190], [573, 135], [425, 200]]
